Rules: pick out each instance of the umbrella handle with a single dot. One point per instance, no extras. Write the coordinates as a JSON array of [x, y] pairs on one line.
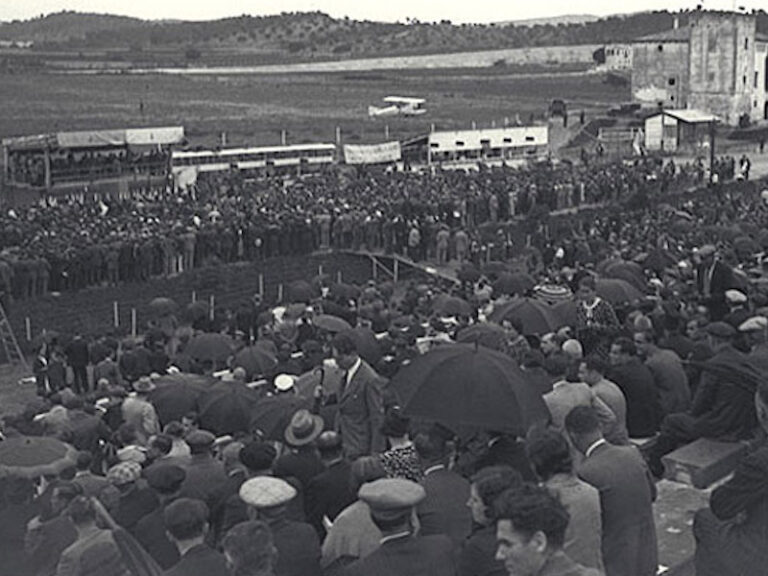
[[101, 512]]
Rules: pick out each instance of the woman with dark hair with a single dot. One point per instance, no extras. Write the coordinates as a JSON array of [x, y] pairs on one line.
[[353, 534], [401, 460], [550, 456], [478, 553]]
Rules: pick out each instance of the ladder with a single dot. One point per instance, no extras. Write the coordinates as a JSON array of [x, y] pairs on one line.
[[10, 344]]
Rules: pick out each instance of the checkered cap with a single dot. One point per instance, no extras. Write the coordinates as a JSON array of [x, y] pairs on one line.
[[266, 492], [124, 473]]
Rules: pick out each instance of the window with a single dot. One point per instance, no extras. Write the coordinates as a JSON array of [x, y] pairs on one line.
[[744, 79], [507, 140], [671, 81], [459, 143], [711, 77], [485, 143], [660, 47], [530, 139], [757, 76], [712, 44], [746, 43]]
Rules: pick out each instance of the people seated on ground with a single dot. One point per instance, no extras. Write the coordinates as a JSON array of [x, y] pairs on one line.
[[530, 532], [626, 492], [731, 533], [723, 407]]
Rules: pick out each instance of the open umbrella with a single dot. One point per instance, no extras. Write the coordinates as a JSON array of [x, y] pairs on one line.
[[226, 408], [367, 345], [629, 271], [513, 283], [566, 312], [745, 247], [617, 291], [331, 323], [210, 346], [197, 310], [495, 269], [177, 394], [162, 306], [484, 334], [256, 361], [468, 273], [463, 385], [272, 415], [34, 456], [447, 305], [536, 316], [301, 291], [659, 260]]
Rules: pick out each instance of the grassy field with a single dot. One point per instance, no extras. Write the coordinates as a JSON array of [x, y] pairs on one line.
[[255, 109]]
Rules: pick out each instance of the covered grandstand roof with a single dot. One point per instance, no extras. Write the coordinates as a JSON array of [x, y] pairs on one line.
[[159, 135]]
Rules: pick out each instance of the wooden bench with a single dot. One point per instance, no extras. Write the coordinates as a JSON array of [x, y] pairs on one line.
[[703, 462]]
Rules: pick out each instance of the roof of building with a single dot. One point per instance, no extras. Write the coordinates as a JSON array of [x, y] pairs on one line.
[[681, 34], [691, 116]]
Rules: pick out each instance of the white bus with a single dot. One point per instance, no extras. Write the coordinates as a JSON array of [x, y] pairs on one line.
[[299, 158]]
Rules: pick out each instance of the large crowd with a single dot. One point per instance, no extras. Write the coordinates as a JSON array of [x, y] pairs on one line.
[[85, 240], [285, 438]]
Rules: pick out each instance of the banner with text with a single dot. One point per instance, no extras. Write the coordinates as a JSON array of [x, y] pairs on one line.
[[372, 153]]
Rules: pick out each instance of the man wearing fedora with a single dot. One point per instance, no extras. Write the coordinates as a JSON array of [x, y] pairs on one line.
[[361, 405], [301, 461], [298, 547]]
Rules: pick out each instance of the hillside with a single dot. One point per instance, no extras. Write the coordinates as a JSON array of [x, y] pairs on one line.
[[315, 35]]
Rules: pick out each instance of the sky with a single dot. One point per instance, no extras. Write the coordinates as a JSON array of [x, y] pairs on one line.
[[378, 10]]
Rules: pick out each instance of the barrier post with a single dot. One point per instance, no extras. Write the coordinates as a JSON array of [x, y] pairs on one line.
[[261, 285], [280, 293], [338, 277], [115, 314], [28, 326], [133, 322], [211, 304], [396, 269], [194, 296]]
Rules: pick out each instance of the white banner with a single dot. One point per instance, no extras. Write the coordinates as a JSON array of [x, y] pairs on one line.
[[372, 153]]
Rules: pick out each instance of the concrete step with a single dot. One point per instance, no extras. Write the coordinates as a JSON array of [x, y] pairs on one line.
[[703, 462]]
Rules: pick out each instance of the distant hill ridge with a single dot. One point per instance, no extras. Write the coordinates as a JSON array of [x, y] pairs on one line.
[[310, 35]]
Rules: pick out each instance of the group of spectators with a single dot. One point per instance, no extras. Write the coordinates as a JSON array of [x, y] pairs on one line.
[[86, 240]]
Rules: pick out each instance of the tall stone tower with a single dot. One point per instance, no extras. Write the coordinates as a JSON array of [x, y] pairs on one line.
[[722, 64]]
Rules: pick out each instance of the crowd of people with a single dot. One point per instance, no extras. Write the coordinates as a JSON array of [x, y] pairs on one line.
[[275, 439], [87, 240]]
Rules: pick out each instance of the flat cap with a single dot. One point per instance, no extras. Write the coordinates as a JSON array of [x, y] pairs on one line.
[[185, 513], [735, 296], [200, 439], [753, 324], [707, 250], [124, 473], [721, 330], [165, 478], [266, 492], [258, 455], [391, 497]]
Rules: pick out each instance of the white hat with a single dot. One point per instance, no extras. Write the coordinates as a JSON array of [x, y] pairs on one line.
[[735, 297], [284, 382], [754, 324]]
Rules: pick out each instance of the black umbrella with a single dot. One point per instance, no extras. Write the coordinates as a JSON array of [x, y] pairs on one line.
[[177, 395], [484, 334], [536, 316], [226, 408], [367, 345], [514, 283], [210, 346], [463, 385], [272, 415], [256, 361], [301, 291]]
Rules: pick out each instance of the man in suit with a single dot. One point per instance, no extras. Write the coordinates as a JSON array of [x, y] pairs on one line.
[[298, 547], [627, 492], [636, 382], [186, 521], [444, 509], [166, 481], [329, 492], [89, 483], [205, 474], [530, 532], [361, 406], [713, 278], [731, 534], [402, 552], [723, 406]]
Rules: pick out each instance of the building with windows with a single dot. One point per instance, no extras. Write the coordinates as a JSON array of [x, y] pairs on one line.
[[718, 64]]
